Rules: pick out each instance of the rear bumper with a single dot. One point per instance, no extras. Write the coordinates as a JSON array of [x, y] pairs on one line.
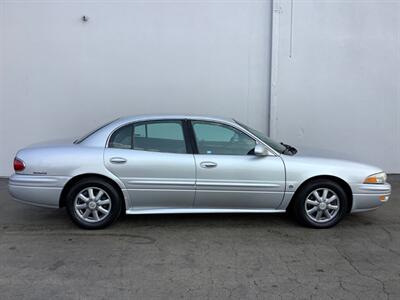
[[369, 196], [42, 191]]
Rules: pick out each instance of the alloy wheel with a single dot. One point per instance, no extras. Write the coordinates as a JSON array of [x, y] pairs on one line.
[[92, 204], [322, 205]]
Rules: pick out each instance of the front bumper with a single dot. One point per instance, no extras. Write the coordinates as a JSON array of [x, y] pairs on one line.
[[37, 190], [369, 196]]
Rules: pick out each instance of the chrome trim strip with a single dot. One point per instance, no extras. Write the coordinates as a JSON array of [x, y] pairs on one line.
[[373, 194], [31, 180], [375, 188], [240, 191], [34, 187], [207, 191], [162, 190], [202, 183], [37, 180], [233, 184], [160, 182]]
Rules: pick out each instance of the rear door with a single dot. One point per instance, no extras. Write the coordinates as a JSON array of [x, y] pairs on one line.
[[154, 162], [229, 175]]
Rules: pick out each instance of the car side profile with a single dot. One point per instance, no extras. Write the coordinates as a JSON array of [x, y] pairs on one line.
[[159, 164]]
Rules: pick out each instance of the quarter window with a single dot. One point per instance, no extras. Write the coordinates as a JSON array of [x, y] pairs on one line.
[[215, 138], [122, 138]]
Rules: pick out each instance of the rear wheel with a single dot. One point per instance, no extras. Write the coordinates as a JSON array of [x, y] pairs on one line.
[[93, 203], [320, 204]]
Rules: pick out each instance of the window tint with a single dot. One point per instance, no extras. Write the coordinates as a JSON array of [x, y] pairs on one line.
[[215, 138], [160, 136], [122, 138]]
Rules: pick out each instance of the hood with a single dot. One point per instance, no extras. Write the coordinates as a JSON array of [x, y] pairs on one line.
[[301, 166], [323, 153]]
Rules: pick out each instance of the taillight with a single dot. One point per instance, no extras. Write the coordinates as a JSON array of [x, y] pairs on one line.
[[19, 165]]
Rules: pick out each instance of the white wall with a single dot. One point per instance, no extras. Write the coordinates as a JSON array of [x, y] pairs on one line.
[[335, 66], [336, 79], [60, 77]]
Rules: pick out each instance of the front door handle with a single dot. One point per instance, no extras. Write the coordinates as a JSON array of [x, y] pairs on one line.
[[118, 160], [208, 164]]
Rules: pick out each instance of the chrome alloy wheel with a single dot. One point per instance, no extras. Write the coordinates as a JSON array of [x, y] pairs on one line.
[[322, 205], [92, 204]]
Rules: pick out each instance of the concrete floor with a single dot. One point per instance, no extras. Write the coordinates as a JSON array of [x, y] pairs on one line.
[[44, 256]]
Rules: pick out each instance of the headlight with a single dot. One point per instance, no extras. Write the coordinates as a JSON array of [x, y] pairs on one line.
[[378, 178]]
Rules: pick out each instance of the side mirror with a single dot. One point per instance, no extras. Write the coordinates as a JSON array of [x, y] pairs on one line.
[[261, 150]]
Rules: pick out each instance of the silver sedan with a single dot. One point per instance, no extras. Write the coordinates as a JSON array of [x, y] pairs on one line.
[[190, 164]]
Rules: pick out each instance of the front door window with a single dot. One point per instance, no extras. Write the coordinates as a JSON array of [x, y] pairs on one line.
[[216, 138]]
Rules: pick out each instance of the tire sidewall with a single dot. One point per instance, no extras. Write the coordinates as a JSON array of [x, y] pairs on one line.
[[116, 203], [300, 211]]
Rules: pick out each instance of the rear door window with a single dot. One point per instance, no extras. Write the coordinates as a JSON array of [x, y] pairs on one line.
[[159, 136]]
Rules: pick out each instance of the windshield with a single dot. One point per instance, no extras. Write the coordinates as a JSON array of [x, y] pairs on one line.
[[81, 139], [270, 142]]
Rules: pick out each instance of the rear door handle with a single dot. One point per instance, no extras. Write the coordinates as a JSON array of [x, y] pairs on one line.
[[118, 160], [208, 164]]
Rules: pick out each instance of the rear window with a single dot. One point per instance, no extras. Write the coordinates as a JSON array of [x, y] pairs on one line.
[[81, 139]]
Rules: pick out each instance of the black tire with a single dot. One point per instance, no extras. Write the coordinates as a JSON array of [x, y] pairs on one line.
[[114, 209], [299, 205]]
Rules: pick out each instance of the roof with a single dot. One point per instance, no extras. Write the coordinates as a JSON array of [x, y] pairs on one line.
[[171, 117]]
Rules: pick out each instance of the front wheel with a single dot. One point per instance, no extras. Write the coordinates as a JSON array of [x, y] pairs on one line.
[[320, 204], [93, 203]]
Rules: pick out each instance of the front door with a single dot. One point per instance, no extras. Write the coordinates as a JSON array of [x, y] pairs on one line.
[[229, 175], [152, 160]]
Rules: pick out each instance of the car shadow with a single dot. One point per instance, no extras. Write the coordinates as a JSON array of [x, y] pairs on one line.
[[22, 216], [208, 220]]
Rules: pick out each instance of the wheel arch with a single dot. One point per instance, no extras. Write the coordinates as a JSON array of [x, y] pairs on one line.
[[79, 177], [346, 187]]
